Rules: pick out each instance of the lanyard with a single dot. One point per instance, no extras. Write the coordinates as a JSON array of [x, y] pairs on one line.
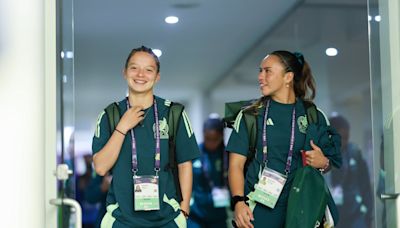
[[264, 138], [134, 148]]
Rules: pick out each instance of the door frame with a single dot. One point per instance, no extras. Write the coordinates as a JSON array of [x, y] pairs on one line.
[[389, 123], [50, 38]]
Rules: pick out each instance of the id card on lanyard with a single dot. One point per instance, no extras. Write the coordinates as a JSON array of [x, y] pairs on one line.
[[146, 193], [146, 188], [271, 183]]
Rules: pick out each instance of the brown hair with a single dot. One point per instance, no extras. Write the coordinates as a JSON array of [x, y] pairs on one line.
[[303, 83], [143, 49]]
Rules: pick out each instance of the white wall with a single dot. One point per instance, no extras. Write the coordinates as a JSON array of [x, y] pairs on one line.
[[22, 120], [22, 82]]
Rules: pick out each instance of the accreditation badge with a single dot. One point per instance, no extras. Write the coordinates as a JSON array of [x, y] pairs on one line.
[[146, 197], [269, 187], [221, 197], [337, 195]]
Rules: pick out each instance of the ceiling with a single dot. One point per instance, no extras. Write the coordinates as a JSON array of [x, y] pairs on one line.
[[210, 36], [209, 39], [215, 48], [310, 29]]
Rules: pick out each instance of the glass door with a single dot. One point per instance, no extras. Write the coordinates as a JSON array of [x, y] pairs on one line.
[[69, 211], [385, 109]]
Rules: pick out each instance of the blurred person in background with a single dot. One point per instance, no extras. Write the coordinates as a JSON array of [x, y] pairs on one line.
[[90, 210], [350, 186], [210, 192], [96, 193]]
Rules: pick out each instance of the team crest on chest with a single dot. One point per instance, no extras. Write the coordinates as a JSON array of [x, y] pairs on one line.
[[163, 129], [302, 123]]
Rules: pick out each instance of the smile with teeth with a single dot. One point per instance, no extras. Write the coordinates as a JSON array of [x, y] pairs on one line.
[[139, 81]]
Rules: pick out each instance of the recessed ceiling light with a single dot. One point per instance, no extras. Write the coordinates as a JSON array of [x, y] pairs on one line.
[[369, 18], [378, 18], [157, 52], [171, 20], [331, 51], [62, 54]]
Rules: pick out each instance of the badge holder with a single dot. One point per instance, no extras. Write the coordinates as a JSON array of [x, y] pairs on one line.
[[269, 187], [337, 194], [146, 192], [221, 197]]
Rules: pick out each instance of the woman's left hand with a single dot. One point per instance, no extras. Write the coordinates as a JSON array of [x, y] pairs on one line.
[[316, 157], [185, 209]]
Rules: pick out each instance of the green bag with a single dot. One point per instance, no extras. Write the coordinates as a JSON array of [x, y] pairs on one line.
[[232, 109], [308, 199]]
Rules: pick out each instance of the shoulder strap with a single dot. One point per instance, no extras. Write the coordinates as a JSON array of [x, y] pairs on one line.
[[174, 114], [113, 115], [311, 112], [251, 126]]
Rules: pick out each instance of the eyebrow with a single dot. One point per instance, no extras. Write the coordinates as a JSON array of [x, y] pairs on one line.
[[130, 64]]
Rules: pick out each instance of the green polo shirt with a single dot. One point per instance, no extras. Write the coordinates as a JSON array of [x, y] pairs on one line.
[[278, 141], [120, 200]]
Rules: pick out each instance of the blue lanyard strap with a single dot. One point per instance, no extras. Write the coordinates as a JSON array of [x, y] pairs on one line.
[[264, 138], [134, 148]]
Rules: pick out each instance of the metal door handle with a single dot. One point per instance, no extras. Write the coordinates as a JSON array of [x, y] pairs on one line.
[[394, 196], [62, 172], [72, 203], [389, 196]]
